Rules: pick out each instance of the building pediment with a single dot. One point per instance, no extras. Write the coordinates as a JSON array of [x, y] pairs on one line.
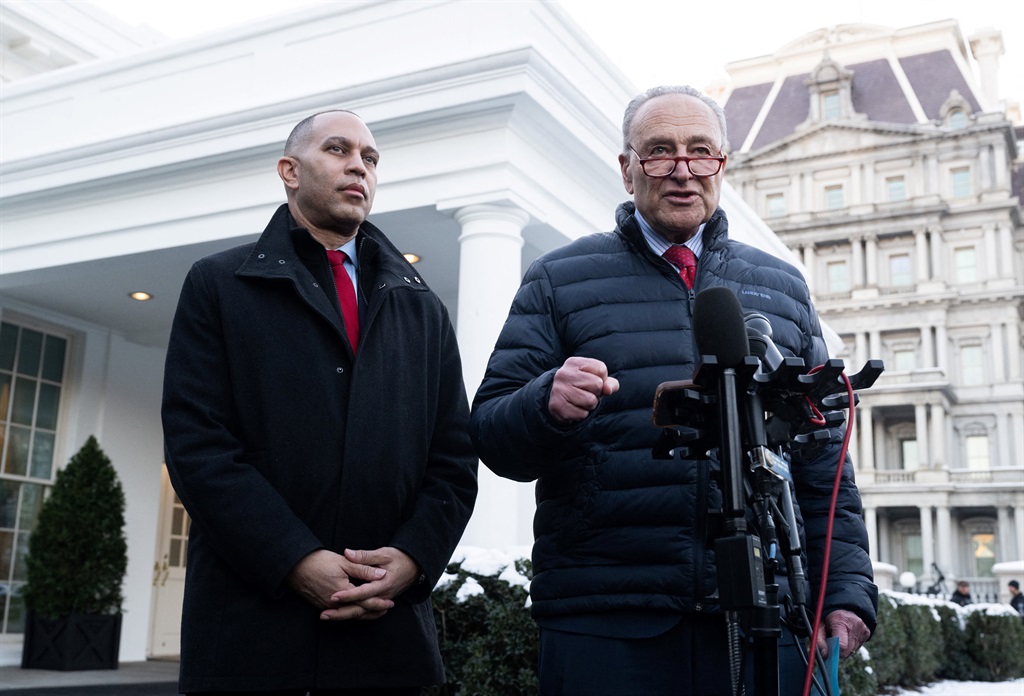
[[832, 138]]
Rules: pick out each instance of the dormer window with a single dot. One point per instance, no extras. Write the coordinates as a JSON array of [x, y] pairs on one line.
[[829, 91], [955, 112], [831, 107]]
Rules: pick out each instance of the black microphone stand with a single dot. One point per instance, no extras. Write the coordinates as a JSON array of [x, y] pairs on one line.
[[703, 413]]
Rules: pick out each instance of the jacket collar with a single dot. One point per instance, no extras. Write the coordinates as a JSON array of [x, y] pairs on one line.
[[716, 231]]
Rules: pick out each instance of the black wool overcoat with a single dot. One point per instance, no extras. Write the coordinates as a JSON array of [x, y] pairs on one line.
[[279, 441]]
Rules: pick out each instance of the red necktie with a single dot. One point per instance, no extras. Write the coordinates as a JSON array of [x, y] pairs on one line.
[[681, 257], [346, 295]]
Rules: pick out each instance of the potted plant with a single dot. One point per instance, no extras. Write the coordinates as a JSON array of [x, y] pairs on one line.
[[77, 559]]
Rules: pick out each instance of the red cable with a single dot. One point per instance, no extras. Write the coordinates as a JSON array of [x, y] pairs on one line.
[[828, 535]]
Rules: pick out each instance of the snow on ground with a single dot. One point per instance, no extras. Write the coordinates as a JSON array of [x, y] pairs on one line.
[[955, 688]]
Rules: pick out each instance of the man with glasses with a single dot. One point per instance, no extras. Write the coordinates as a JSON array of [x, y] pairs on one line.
[[625, 585]]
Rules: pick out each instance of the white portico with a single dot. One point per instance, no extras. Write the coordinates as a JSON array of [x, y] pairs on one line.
[[117, 173]]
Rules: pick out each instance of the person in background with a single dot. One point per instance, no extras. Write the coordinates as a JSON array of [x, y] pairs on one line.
[[1016, 598], [625, 587], [315, 425], [962, 594]]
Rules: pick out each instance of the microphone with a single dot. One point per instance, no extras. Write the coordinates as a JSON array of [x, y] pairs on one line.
[[720, 333], [759, 334], [718, 326]]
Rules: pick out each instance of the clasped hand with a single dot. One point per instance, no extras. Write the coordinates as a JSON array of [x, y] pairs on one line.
[[358, 585]]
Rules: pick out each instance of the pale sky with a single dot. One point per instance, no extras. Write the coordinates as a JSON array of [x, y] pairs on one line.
[[697, 39]]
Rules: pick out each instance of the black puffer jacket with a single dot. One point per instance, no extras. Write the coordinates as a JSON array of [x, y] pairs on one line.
[[618, 532]]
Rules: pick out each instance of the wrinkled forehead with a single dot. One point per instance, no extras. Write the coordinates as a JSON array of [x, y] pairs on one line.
[[676, 116]]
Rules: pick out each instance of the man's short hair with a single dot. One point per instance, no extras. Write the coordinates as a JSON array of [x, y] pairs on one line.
[[1014, 584], [641, 99], [299, 137]]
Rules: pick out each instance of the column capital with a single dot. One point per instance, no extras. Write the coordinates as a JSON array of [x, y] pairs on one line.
[[489, 211]]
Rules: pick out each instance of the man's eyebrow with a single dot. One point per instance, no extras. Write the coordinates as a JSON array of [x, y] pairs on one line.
[[345, 142]]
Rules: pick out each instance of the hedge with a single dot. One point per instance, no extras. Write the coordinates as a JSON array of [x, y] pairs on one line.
[[489, 642]]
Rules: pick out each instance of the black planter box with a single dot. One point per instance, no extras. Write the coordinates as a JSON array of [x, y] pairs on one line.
[[75, 642]]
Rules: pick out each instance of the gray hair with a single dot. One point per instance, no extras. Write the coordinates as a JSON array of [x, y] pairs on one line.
[[303, 130], [641, 99]]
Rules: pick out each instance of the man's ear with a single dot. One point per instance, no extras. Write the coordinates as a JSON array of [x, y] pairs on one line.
[[627, 181], [288, 170]]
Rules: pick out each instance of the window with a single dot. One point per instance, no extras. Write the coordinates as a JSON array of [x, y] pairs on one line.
[[831, 109], [904, 359], [838, 276], [983, 546], [976, 447], [965, 262], [895, 188], [31, 379], [958, 119], [972, 366], [834, 197], [913, 554], [776, 205], [961, 181], [899, 270], [908, 454]]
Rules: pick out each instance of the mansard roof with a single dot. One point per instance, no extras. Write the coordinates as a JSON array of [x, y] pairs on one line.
[[895, 80]]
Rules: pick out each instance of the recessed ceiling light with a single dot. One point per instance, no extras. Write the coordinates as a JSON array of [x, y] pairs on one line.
[[410, 257], [140, 296]]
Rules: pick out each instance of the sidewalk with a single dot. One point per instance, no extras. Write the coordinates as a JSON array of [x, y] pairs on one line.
[[135, 678]]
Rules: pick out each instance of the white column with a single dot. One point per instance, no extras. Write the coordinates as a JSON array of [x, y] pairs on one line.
[[1005, 454], [927, 347], [941, 350], [860, 341], [857, 275], [875, 343], [871, 523], [943, 538], [1014, 429], [927, 537], [866, 454], [935, 246], [991, 251], [871, 261], [921, 433], [998, 354], [490, 270], [1006, 254], [807, 252], [884, 539], [921, 251], [938, 432], [1018, 529], [1004, 535], [1014, 356]]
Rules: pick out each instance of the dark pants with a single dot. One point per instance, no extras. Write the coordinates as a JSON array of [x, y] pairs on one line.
[[690, 658]]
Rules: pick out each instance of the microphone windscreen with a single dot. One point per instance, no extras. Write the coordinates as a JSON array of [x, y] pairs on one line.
[[718, 326]]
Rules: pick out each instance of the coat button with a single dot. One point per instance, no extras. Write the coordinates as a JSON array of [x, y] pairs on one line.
[[261, 256], [281, 261], [406, 279], [340, 370], [316, 285]]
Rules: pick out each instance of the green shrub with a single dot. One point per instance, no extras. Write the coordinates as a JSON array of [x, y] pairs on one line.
[[956, 663], [886, 645], [994, 636], [77, 554], [856, 677], [489, 642], [488, 639]]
